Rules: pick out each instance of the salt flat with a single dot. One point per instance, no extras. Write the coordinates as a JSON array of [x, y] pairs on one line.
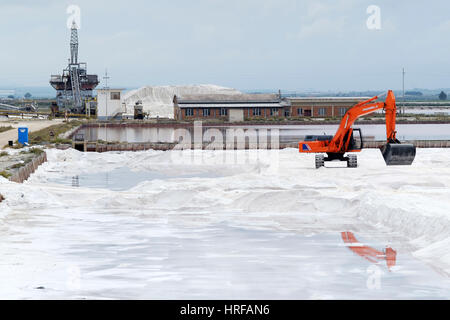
[[225, 224]]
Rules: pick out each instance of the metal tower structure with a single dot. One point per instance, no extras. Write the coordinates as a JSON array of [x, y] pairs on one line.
[[74, 87], [74, 44]]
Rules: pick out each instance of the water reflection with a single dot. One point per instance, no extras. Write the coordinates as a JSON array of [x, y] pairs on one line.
[[287, 133], [75, 181], [123, 178], [373, 255]]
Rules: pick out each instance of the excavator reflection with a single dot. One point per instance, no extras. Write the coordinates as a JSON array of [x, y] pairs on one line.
[[369, 253]]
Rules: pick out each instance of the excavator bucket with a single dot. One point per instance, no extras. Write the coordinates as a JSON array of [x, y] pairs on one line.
[[395, 154]]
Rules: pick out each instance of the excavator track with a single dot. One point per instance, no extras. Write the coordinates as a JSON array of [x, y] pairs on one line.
[[352, 161], [320, 161]]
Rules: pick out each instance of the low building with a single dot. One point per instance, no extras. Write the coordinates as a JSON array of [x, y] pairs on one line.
[[321, 107], [240, 107], [233, 108], [109, 103]]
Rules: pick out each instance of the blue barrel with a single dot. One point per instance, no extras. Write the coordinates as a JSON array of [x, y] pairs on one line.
[[23, 135]]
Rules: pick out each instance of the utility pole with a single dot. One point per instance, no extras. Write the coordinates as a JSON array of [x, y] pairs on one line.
[[106, 100], [106, 79], [403, 74]]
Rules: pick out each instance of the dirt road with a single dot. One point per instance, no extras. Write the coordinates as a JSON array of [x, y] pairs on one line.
[[32, 125]]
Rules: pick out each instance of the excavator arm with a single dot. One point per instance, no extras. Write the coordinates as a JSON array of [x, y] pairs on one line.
[[340, 141], [393, 152]]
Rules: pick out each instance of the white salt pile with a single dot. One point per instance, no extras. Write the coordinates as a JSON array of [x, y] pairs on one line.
[[158, 101]]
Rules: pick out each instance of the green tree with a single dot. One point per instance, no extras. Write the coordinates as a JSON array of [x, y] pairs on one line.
[[442, 96], [27, 95]]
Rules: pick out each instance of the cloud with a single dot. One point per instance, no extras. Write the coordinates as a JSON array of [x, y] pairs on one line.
[[204, 31], [317, 9], [324, 18], [280, 43], [444, 27], [322, 27]]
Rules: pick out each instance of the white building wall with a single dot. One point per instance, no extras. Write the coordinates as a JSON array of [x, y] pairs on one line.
[[236, 115], [107, 103]]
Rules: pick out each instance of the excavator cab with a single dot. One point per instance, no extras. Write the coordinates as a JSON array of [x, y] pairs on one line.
[[356, 142]]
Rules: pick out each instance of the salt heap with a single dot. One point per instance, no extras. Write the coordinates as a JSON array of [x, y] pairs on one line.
[[158, 101]]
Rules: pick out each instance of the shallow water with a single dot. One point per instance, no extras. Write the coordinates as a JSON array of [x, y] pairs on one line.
[[287, 133], [122, 178], [117, 255]]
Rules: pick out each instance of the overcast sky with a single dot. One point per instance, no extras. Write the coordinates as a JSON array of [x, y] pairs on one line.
[[244, 44]]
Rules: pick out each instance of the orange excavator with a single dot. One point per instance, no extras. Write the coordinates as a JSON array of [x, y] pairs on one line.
[[349, 139]]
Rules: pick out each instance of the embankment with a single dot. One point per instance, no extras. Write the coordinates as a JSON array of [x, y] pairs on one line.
[[124, 146], [24, 173]]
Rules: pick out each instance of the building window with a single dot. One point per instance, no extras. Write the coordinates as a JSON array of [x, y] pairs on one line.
[[206, 112], [287, 113], [115, 95], [322, 111], [274, 111], [223, 111], [189, 112], [342, 111], [256, 111], [300, 111]]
